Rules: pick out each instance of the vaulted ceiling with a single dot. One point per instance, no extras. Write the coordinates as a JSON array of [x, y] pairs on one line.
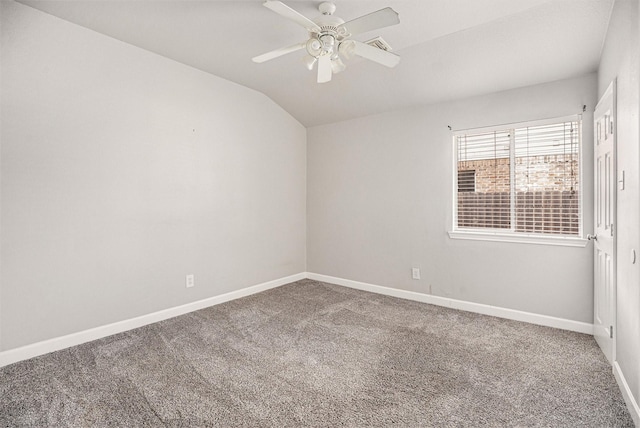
[[449, 49]]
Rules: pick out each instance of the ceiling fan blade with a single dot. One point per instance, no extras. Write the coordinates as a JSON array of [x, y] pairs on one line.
[[324, 68], [374, 54], [284, 10], [278, 52], [379, 19]]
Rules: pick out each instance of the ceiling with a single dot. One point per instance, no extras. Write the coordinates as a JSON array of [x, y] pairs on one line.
[[450, 49]]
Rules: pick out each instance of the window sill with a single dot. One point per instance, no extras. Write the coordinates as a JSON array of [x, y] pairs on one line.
[[518, 238]]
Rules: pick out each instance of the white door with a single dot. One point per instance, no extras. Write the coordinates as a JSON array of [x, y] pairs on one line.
[[604, 239]]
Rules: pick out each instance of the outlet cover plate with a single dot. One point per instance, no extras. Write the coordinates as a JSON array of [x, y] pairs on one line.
[[190, 281]]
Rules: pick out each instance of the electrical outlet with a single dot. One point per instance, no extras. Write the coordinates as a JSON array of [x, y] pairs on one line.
[[191, 281], [415, 273]]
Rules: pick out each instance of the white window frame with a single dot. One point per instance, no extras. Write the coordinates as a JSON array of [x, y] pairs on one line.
[[487, 234]]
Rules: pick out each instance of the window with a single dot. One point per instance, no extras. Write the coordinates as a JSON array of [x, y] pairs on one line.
[[520, 183]]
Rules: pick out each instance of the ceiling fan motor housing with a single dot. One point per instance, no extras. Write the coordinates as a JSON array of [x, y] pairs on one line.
[[331, 34]]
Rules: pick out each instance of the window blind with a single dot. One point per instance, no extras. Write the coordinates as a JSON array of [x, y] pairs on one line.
[[488, 206], [546, 179], [525, 179]]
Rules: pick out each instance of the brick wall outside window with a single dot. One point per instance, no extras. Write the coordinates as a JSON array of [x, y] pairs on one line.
[[546, 192]]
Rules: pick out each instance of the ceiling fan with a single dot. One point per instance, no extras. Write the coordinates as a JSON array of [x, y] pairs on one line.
[[330, 38]]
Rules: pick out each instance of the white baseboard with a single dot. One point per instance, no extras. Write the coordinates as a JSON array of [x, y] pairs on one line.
[[512, 314], [632, 403], [40, 348]]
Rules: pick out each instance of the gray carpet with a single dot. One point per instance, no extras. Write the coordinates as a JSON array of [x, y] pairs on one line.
[[315, 354]]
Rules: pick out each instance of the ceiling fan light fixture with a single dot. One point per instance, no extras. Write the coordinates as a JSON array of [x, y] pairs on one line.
[[329, 39], [328, 44], [309, 61], [337, 65], [314, 47], [347, 48]]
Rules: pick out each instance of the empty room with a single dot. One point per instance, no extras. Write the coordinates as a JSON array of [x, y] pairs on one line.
[[302, 213]]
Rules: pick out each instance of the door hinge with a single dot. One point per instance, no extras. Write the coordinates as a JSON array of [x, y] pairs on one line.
[[610, 332], [611, 229]]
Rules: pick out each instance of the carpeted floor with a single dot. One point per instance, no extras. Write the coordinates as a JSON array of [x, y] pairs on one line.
[[315, 354]]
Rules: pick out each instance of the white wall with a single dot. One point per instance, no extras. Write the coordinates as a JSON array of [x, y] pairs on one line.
[[380, 198], [621, 61], [123, 171]]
